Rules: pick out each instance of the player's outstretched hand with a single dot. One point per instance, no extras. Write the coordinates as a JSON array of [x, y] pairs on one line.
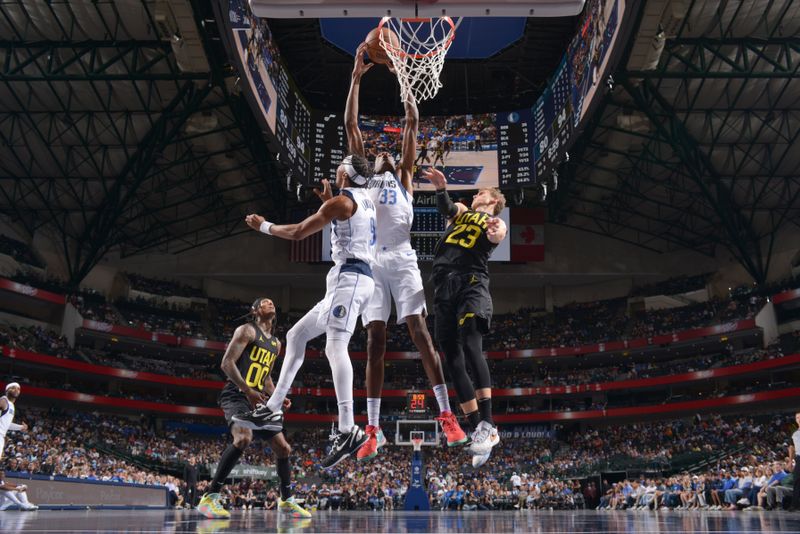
[[326, 193], [287, 403], [435, 177], [254, 221], [359, 67], [492, 226]]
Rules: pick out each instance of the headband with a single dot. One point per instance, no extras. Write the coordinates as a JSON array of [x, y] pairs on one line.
[[356, 178]]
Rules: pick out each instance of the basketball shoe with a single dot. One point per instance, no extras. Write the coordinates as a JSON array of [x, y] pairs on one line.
[[262, 418], [290, 508], [343, 445], [483, 439], [375, 440], [211, 508], [451, 428]]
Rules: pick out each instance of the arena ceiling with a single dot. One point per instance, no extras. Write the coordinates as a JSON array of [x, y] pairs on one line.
[[697, 144], [511, 78], [121, 126]]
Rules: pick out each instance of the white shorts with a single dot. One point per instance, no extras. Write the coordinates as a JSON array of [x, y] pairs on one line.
[[397, 276], [2, 446], [349, 288]]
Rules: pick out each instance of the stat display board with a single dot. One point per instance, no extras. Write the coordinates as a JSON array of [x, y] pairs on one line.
[[330, 145], [553, 120], [293, 127], [515, 161]]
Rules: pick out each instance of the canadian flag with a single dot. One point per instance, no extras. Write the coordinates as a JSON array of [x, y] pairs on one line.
[[527, 234]]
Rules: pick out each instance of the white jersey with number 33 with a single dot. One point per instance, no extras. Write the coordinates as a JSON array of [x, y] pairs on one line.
[[395, 210]]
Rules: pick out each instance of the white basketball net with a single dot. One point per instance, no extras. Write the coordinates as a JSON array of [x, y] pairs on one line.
[[419, 58]]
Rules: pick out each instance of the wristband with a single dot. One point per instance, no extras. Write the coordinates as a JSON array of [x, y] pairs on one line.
[[265, 227]]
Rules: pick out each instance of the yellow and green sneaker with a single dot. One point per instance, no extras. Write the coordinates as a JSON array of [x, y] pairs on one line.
[[211, 508], [290, 508]]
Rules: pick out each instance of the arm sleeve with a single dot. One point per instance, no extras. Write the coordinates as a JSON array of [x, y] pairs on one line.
[[14, 426], [444, 204]]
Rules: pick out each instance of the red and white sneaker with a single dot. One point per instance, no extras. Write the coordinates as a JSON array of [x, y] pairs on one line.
[[375, 440], [451, 428]]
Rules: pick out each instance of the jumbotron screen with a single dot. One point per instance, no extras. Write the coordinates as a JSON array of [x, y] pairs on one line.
[[464, 147], [509, 149]]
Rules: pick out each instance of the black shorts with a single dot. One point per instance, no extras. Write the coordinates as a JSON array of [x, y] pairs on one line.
[[459, 296], [233, 402]]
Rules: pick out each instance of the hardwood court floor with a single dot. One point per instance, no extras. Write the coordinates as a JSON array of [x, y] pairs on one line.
[[577, 522]]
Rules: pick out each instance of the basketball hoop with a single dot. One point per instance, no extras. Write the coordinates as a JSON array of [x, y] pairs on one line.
[[417, 438], [419, 57]]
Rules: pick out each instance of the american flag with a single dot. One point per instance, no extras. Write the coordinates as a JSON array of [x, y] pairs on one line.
[[307, 250]]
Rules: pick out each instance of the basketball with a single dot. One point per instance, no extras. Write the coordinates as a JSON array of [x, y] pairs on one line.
[[375, 49]]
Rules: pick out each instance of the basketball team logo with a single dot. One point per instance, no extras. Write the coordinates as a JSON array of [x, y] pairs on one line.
[[339, 311]]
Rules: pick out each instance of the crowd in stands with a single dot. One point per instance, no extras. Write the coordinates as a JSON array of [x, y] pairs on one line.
[[34, 279], [48, 448], [160, 316], [227, 314], [672, 286], [571, 325], [19, 251], [402, 375], [697, 462], [93, 306], [35, 339], [167, 288]]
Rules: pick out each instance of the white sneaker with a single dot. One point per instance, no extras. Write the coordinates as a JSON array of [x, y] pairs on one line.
[[483, 439]]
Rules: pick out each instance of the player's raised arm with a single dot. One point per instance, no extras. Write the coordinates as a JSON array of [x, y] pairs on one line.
[[409, 153], [340, 207], [495, 230], [355, 143], [449, 209]]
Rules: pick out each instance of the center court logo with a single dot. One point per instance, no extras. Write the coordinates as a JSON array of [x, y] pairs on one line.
[[339, 311]]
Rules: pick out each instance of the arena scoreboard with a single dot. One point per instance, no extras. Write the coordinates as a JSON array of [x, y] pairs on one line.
[[515, 161], [293, 129], [330, 145], [417, 403]]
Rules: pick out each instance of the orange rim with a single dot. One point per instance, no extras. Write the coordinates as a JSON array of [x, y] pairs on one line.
[[402, 53]]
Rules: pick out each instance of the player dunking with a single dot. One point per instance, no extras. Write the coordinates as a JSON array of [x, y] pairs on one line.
[[7, 409], [462, 303], [395, 272], [349, 286], [247, 364]]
